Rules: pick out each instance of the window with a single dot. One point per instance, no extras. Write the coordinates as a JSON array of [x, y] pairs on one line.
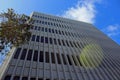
[[38, 28], [63, 42], [56, 31], [35, 57], [58, 59], [45, 29], [67, 43], [49, 30], [47, 57], [16, 78], [59, 42], [52, 30], [24, 78], [7, 77], [53, 57], [59, 32], [78, 57], [50, 40], [42, 39], [42, 22], [40, 79], [55, 41], [63, 57], [23, 54], [71, 43], [46, 39], [32, 78], [48, 23], [35, 27], [66, 33], [62, 32], [69, 60], [37, 39], [17, 53], [75, 44], [29, 56], [74, 60], [33, 38], [41, 57]]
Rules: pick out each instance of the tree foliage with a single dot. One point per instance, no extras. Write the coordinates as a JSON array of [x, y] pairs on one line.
[[14, 28]]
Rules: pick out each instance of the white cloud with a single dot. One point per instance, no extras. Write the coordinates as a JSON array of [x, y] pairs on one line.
[[84, 11], [112, 30]]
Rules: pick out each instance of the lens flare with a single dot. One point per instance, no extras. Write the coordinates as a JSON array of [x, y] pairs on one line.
[[91, 56]]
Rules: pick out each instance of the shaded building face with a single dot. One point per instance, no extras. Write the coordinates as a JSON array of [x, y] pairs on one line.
[[63, 49]]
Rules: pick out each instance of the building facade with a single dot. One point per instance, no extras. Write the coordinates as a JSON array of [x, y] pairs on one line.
[[63, 49]]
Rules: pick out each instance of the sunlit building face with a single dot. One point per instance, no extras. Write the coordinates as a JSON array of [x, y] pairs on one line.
[[63, 49]]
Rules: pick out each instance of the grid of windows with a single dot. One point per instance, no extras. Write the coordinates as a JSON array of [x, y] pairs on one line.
[[61, 59], [8, 77], [66, 40], [50, 30]]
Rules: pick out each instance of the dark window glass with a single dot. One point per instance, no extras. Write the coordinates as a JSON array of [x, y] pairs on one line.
[[46, 39], [40, 79], [39, 21], [78, 57], [50, 40], [45, 29], [51, 23], [32, 27], [7, 77], [35, 27], [42, 39], [17, 53], [75, 44], [48, 23], [56, 31], [66, 33], [49, 30], [38, 28], [78, 45], [69, 33], [47, 57], [29, 56], [71, 43], [74, 60], [59, 42], [16, 78], [53, 57], [59, 32], [63, 42], [52, 30], [32, 78], [64, 61], [35, 57], [67, 43], [47, 79], [41, 57], [69, 60], [37, 39], [42, 22], [55, 42], [62, 32], [58, 59], [24, 78], [33, 38], [23, 54]]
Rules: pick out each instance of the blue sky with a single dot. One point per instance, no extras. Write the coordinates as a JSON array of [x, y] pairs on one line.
[[104, 14]]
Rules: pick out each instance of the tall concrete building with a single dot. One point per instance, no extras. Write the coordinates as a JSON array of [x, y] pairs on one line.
[[63, 49]]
